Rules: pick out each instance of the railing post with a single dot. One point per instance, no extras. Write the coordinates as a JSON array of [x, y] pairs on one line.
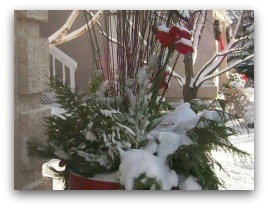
[[66, 61], [53, 65], [72, 79], [63, 73]]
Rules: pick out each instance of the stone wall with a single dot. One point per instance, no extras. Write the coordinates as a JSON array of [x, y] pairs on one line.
[[31, 65]]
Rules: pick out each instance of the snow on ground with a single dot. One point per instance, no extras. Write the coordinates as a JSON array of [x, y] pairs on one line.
[[241, 174]]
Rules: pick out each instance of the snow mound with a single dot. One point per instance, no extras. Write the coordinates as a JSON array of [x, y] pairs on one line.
[[137, 162], [189, 184]]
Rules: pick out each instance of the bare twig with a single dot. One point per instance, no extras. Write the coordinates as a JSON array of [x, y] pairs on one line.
[[61, 35]]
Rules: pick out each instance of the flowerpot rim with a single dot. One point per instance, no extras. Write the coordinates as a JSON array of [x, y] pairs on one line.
[[95, 179]]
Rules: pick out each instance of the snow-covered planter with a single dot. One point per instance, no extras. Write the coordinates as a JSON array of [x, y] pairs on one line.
[[90, 134], [134, 146], [126, 131]]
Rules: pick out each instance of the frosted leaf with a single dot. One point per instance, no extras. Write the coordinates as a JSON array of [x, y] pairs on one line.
[[109, 113], [104, 137], [82, 146], [131, 97], [90, 125], [103, 161], [142, 77], [129, 130], [160, 99], [185, 140], [87, 156], [126, 144], [103, 88], [90, 136], [152, 66]]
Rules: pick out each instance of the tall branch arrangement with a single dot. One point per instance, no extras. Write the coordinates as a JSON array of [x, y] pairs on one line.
[[131, 39]]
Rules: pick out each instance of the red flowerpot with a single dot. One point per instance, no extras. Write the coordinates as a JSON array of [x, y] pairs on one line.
[[78, 182]]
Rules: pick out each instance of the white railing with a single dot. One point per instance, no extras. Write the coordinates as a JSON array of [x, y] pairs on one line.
[[66, 61]]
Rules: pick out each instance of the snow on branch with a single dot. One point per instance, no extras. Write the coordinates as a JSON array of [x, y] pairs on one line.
[[212, 64], [180, 81], [198, 28], [184, 13], [200, 81], [55, 37], [61, 35], [238, 25], [196, 21], [98, 23], [179, 78], [233, 13], [206, 69], [217, 59]]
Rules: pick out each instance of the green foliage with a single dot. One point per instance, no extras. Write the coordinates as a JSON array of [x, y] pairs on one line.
[[196, 159], [139, 109], [197, 105], [40, 149], [95, 81], [87, 136], [69, 134], [145, 183], [222, 104], [231, 79]]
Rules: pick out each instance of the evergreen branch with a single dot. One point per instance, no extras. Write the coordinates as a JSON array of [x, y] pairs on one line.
[[194, 160], [40, 149]]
